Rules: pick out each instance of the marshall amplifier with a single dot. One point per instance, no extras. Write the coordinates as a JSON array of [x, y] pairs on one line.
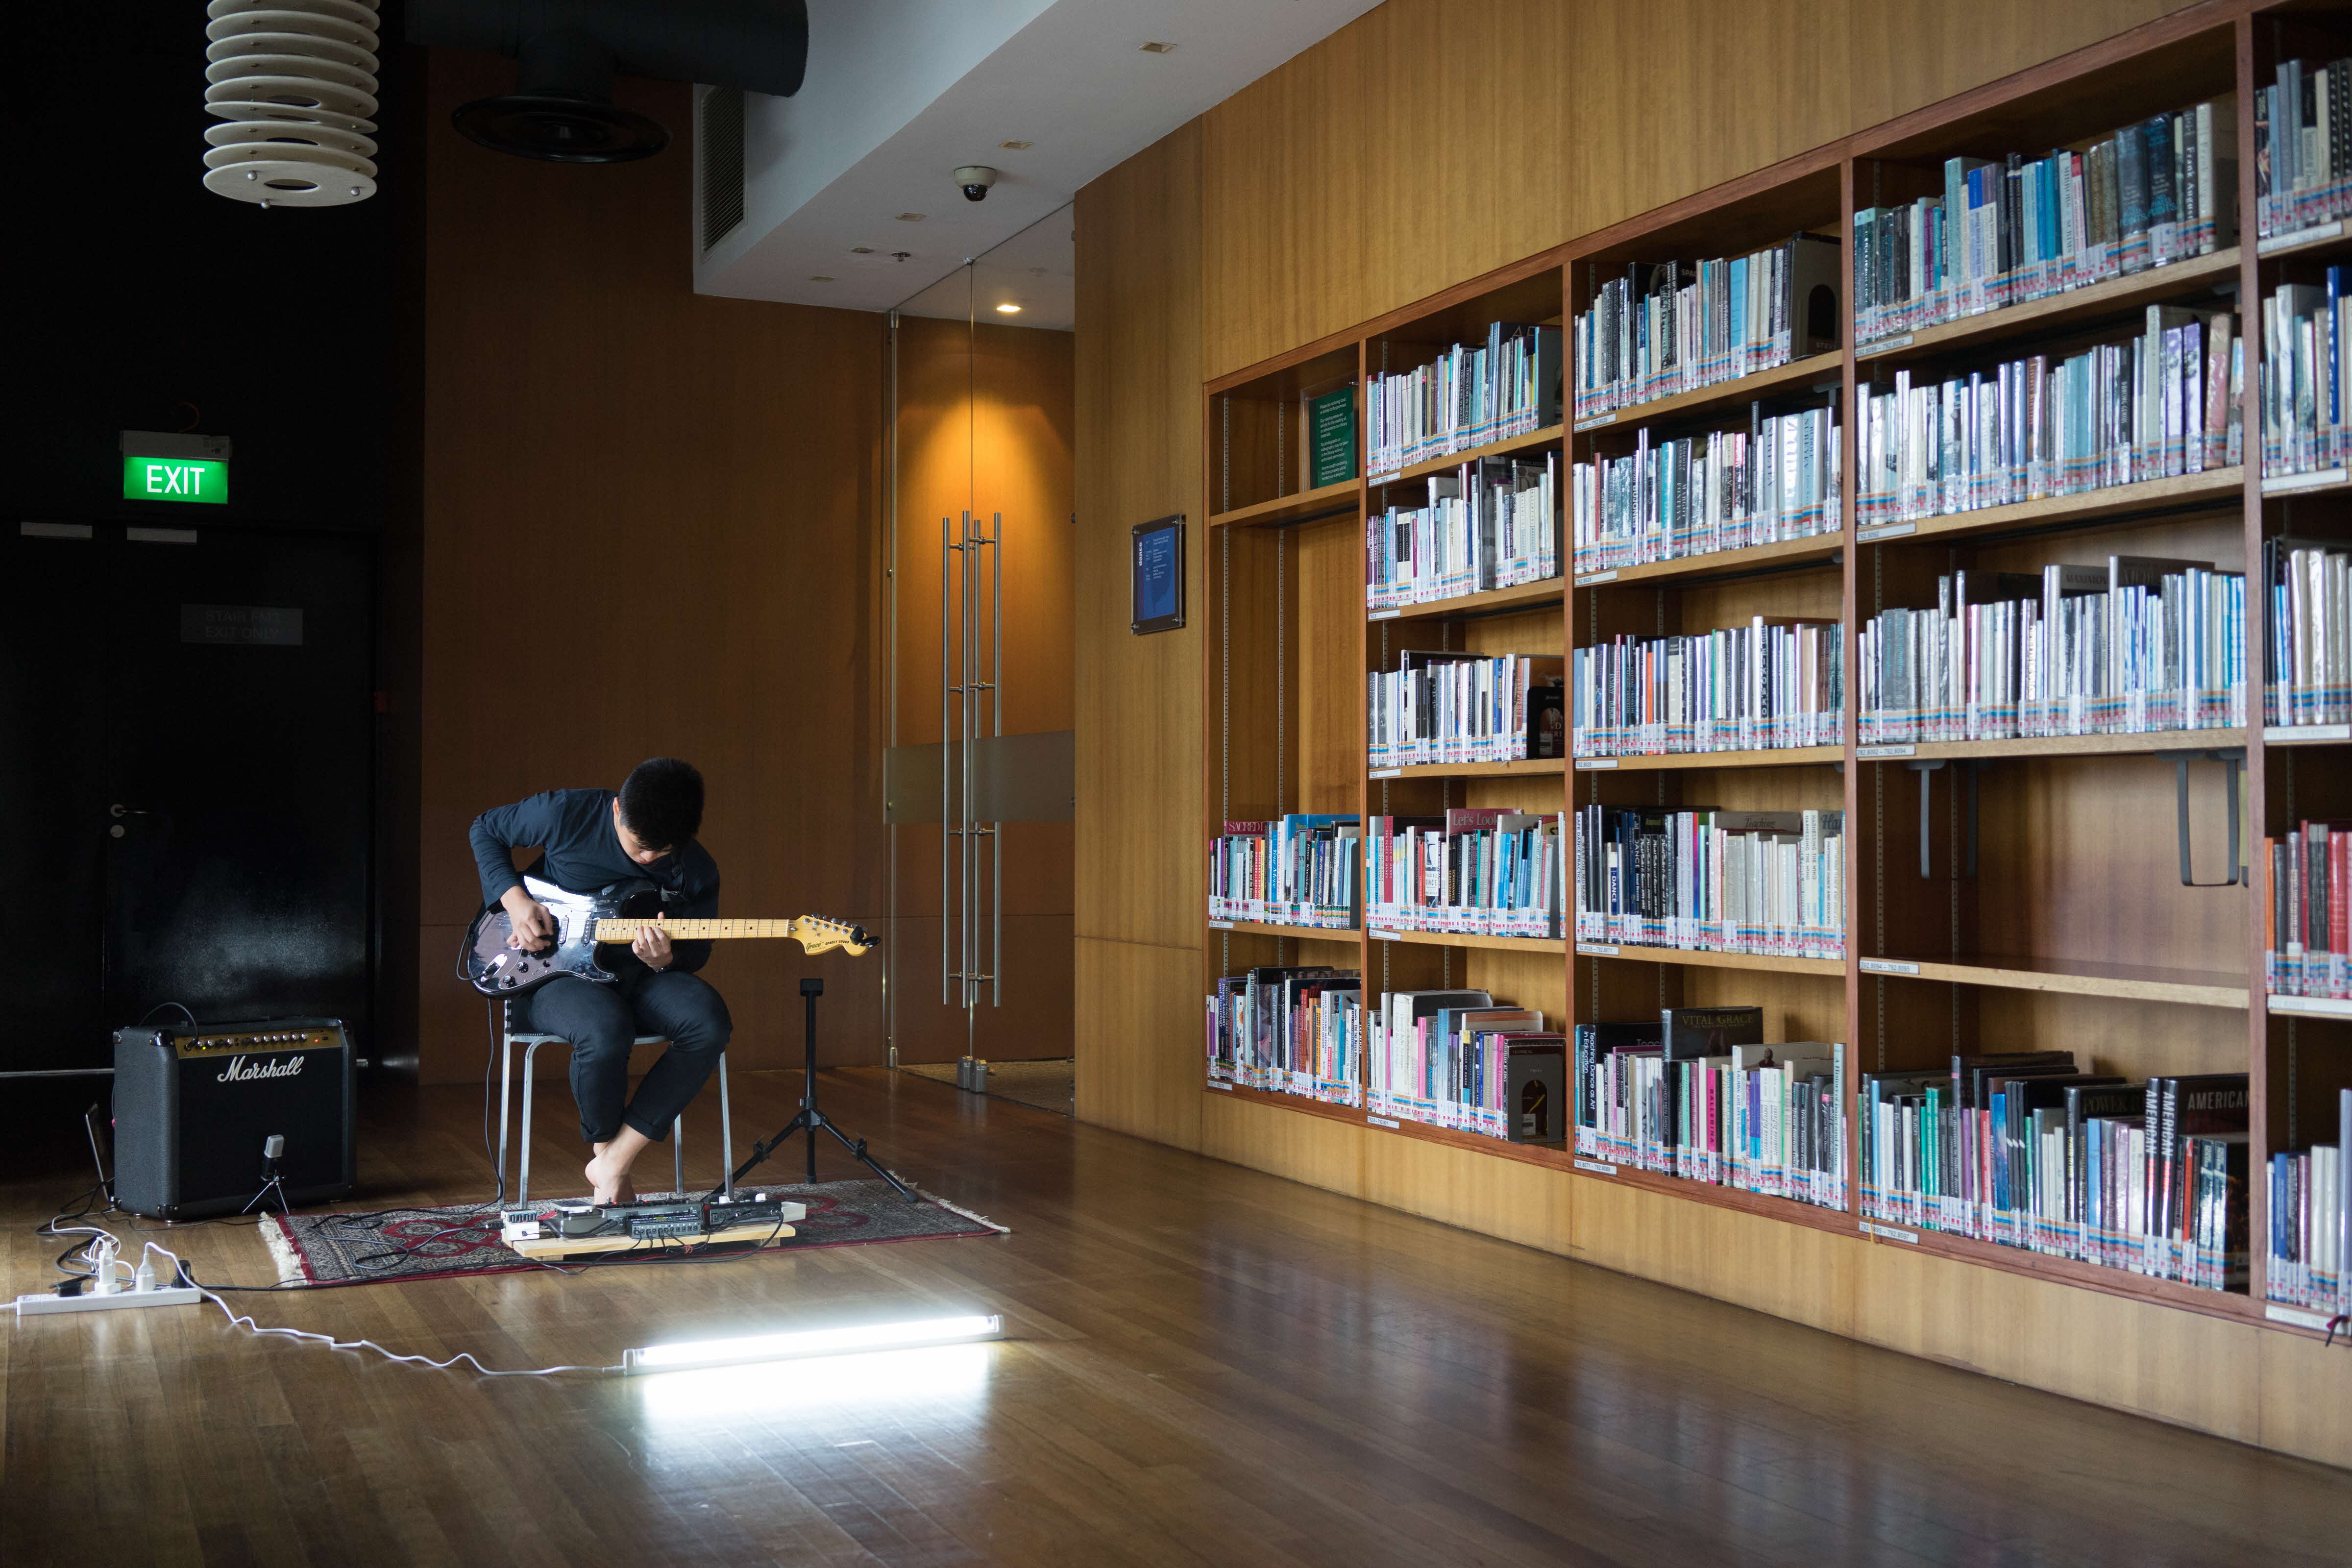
[[195, 1104]]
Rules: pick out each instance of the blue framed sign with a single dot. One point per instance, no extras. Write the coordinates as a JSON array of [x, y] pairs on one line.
[[1159, 567]]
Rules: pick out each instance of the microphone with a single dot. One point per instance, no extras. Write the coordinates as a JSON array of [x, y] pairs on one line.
[[273, 1149]]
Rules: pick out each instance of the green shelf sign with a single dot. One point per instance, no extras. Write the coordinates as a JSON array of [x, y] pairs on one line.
[[175, 478]]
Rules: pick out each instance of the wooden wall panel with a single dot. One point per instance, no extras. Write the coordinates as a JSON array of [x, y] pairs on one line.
[[1139, 1041], [648, 528], [1139, 858]]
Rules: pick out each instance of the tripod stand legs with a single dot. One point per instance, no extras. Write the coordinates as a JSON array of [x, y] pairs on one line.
[[812, 1120]]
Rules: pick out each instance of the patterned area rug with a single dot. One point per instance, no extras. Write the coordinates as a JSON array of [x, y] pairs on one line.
[[1050, 1085], [426, 1243]]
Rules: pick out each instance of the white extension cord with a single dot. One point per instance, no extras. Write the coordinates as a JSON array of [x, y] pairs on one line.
[[143, 1291]]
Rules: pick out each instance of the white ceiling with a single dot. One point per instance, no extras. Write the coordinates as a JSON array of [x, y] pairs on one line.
[[900, 93]]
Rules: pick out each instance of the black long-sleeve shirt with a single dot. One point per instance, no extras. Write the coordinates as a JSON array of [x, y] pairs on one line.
[[581, 853]]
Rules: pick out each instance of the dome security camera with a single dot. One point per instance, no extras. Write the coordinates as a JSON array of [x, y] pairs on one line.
[[975, 179]]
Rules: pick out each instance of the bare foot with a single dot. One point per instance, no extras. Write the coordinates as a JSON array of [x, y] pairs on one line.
[[609, 1181]]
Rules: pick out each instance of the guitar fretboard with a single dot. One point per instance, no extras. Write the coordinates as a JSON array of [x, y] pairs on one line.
[[695, 931]]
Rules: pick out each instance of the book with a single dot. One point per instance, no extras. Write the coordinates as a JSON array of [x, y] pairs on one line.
[[1297, 869], [1776, 682], [1766, 883], [1441, 707], [1293, 1029], [2307, 665], [1492, 523], [2302, 163], [2305, 401], [2003, 233], [2131, 409], [2140, 645], [1762, 480], [1469, 395], [1484, 871], [1398, 1081], [1691, 1098], [1669, 326]]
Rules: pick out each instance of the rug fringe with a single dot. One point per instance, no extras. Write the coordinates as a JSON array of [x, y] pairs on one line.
[[931, 1197], [276, 1237]]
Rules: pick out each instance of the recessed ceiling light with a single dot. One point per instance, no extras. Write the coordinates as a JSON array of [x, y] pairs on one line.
[[861, 251], [1008, 309], [910, 217], [820, 279], [1156, 48], [1016, 146]]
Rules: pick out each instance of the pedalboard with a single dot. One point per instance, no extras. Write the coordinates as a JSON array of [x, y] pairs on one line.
[[570, 1221]]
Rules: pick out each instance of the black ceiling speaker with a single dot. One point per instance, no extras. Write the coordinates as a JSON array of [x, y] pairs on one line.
[[561, 107]]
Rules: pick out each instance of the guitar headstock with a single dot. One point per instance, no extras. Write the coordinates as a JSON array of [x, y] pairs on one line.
[[818, 934]]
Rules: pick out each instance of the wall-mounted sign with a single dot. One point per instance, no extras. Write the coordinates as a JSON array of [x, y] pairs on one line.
[[174, 479], [174, 466], [1158, 562]]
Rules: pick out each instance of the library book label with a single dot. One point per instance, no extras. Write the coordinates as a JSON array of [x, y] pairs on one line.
[[1886, 530], [1889, 1233], [1883, 346], [2287, 483], [2320, 235], [1880, 753], [1384, 1122], [2301, 1319], [1387, 935], [1590, 578], [1595, 1168], [1221, 1083], [1382, 615], [1387, 772], [1596, 422], [2298, 734], [1594, 764], [1221, 925], [1888, 966], [1596, 949]]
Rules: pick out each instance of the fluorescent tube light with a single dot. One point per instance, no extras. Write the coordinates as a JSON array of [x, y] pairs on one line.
[[813, 1342], [1008, 309]]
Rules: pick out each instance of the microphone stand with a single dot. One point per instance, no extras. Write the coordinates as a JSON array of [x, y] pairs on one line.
[[812, 1120]]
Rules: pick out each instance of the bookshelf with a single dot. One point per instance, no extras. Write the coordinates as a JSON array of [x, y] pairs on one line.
[[2037, 902]]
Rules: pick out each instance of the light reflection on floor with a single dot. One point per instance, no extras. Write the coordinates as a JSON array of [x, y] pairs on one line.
[[942, 1382]]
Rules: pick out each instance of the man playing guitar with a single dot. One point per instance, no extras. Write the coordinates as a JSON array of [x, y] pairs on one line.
[[588, 839]]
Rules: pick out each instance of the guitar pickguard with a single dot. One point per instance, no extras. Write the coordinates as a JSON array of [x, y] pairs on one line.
[[491, 967]]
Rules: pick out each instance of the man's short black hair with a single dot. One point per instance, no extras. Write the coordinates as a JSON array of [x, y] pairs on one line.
[[661, 802]]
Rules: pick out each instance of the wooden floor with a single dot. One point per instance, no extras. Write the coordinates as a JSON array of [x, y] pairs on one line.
[[1204, 1365]]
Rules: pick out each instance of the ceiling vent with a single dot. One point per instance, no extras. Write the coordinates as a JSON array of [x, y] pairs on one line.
[[568, 52], [293, 83], [719, 141]]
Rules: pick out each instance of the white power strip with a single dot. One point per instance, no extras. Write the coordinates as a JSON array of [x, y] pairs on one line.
[[162, 1296]]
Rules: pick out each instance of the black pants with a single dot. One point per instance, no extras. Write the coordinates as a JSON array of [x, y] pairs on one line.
[[601, 1020]]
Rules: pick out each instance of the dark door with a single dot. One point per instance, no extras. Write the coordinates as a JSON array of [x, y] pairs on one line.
[[185, 733]]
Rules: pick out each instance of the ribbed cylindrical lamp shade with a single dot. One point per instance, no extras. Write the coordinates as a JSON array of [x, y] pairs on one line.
[[293, 83]]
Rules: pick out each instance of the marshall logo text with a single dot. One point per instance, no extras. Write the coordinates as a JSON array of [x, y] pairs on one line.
[[238, 1072]]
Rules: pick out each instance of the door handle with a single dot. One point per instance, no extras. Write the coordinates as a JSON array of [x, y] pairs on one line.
[[119, 809]]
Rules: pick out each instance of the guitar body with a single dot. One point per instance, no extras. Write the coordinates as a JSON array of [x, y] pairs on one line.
[[494, 969]]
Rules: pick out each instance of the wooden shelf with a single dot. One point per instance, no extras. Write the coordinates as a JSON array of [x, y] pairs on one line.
[[1763, 383], [1534, 596], [2074, 977], [1554, 1158], [1304, 933], [1780, 757], [2069, 1271], [1462, 939], [1533, 767], [1549, 436], [2149, 742], [1720, 563], [2059, 309], [2216, 487], [1326, 500], [1833, 968]]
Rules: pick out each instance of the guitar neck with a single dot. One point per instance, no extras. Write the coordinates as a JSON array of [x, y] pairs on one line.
[[627, 930]]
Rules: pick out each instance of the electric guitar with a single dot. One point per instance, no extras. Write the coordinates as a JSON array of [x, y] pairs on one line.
[[584, 922]]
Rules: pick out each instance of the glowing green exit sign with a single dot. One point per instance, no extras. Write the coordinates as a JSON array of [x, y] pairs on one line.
[[174, 479]]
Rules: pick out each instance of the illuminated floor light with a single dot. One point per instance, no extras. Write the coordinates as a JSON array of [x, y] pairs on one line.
[[813, 1342], [1008, 310]]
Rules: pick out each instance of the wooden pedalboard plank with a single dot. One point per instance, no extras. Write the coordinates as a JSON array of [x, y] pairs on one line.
[[574, 1246]]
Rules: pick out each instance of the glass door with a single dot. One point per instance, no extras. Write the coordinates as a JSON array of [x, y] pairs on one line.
[[980, 628]]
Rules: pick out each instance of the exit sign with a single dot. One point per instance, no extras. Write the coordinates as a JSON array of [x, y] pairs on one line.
[[174, 479]]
